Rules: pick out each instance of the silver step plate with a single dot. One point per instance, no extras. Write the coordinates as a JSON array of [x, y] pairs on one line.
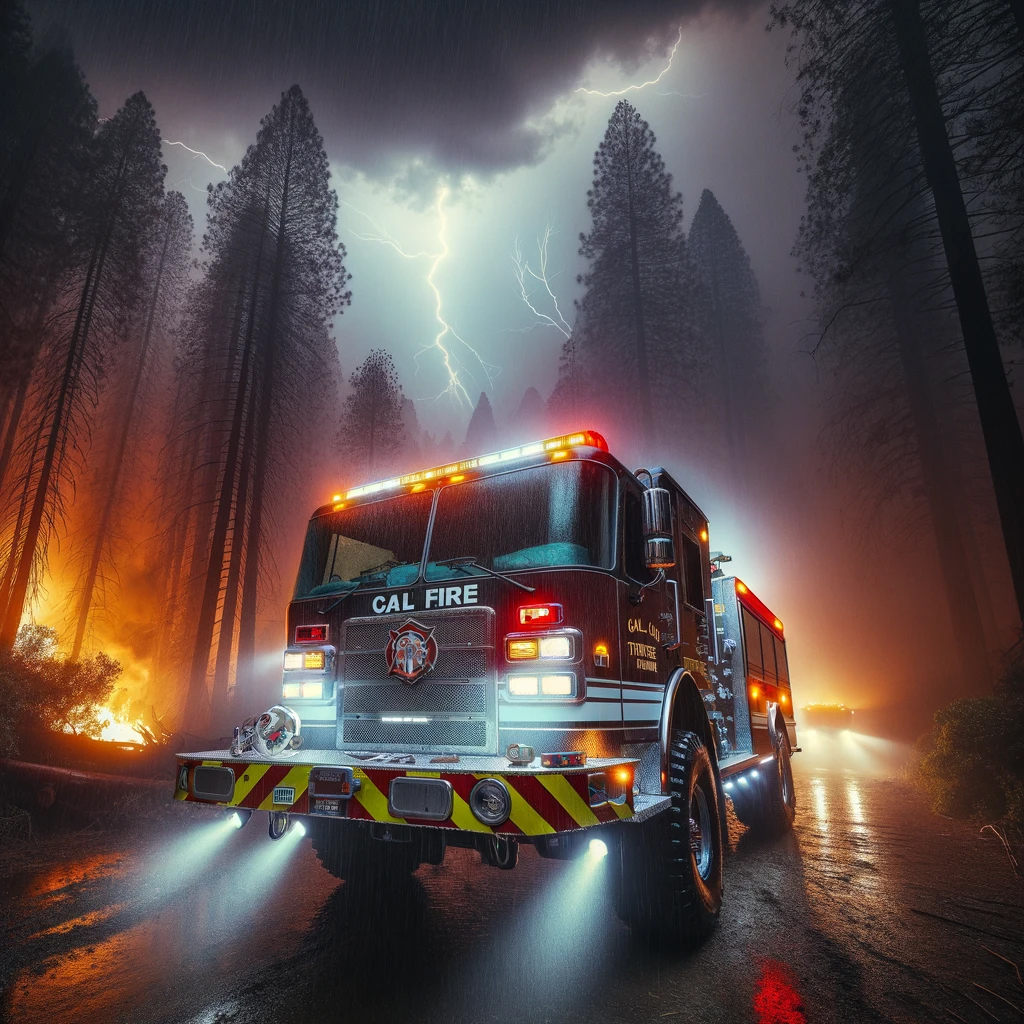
[[430, 799]]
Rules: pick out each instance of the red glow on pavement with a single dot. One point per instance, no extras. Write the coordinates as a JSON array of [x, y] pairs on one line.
[[776, 1000]]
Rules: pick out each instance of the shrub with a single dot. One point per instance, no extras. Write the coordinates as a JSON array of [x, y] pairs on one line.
[[38, 683], [973, 764]]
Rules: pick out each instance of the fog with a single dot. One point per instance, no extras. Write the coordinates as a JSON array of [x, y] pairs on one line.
[[444, 160]]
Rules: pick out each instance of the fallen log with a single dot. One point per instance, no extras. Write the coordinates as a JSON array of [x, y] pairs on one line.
[[50, 791]]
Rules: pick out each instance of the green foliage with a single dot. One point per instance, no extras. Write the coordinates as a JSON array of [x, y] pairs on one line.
[[973, 766], [38, 685]]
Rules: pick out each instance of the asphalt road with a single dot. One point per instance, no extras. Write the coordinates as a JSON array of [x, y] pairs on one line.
[[871, 910]]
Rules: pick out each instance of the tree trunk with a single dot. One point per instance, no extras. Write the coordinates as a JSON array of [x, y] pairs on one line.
[[79, 338], [229, 609], [642, 370], [965, 620], [196, 699], [247, 624], [14, 420], [1000, 426], [113, 479]]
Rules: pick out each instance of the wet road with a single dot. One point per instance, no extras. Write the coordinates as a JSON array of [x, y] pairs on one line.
[[871, 910]]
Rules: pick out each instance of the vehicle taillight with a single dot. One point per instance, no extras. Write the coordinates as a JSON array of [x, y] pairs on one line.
[[311, 634], [540, 614]]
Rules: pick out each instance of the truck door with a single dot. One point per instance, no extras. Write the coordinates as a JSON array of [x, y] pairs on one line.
[[646, 625]]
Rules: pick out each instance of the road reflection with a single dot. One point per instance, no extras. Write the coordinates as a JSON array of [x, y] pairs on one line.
[[818, 922]]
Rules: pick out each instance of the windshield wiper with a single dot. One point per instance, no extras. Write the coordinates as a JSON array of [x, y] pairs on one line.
[[374, 572], [465, 562], [378, 570]]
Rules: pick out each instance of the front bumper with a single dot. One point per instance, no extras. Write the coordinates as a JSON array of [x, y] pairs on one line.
[[545, 801]]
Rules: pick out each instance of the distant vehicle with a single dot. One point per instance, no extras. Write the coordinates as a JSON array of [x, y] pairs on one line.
[[827, 716], [524, 647]]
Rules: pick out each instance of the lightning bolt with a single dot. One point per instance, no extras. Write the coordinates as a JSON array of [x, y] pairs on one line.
[[196, 152], [643, 85], [450, 359], [523, 271]]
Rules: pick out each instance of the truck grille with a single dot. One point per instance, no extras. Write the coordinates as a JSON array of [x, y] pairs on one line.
[[457, 698]]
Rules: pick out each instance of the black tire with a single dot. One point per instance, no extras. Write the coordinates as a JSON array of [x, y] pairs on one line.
[[767, 803], [669, 872], [347, 852]]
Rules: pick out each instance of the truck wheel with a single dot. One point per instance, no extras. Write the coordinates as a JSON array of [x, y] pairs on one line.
[[348, 853], [767, 804], [669, 872]]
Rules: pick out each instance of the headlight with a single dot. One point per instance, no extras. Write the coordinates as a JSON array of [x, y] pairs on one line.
[[555, 647], [556, 686], [490, 801], [290, 690], [314, 691], [523, 686], [561, 685], [292, 659]]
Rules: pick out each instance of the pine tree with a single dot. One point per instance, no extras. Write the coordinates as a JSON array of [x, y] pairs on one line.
[[46, 138], [482, 433], [732, 323], [845, 50], [123, 195], [372, 433], [271, 243], [165, 282], [632, 324], [528, 422]]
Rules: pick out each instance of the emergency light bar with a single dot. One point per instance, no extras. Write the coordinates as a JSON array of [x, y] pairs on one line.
[[551, 444]]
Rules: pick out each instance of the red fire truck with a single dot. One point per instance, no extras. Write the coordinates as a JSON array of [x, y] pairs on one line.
[[525, 647]]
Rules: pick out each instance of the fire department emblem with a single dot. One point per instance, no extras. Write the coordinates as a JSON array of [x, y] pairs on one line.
[[411, 651]]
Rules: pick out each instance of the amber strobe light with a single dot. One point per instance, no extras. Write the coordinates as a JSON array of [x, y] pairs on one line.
[[581, 438]]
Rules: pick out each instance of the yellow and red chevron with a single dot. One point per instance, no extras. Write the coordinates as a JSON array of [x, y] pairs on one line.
[[542, 803]]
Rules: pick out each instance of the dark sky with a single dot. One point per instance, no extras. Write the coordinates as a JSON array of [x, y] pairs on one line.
[[455, 129], [456, 84]]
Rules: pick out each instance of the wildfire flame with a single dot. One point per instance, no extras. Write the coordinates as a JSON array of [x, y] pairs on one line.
[[117, 728]]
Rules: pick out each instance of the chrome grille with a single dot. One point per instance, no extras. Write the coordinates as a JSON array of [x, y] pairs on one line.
[[456, 701], [424, 698], [447, 734], [453, 627], [459, 664]]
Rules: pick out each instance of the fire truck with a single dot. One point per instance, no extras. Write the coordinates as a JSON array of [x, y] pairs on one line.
[[526, 647]]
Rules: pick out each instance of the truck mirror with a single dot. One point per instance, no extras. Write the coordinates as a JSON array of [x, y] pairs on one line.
[[659, 551]]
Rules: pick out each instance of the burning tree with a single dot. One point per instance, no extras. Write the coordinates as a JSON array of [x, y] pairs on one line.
[[166, 274], [121, 197]]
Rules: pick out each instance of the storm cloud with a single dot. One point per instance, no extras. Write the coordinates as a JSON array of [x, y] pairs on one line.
[[459, 87]]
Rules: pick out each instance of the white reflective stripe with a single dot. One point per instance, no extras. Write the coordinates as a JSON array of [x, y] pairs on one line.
[[650, 695], [642, 712], [312, 714], [588, 711]]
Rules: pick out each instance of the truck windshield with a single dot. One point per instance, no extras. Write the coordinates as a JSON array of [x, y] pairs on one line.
[[381, 543], [560, 514]]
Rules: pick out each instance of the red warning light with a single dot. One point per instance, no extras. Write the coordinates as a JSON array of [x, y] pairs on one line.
[[311, 634], [540, 614]]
